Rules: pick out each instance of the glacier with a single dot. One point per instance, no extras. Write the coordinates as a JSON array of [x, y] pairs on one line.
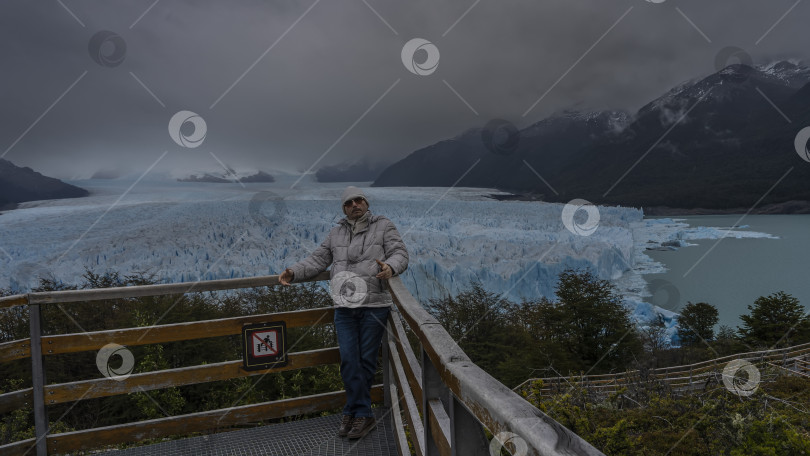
[[183, 231]]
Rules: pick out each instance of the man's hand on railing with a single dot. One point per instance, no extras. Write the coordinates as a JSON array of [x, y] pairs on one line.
[[385, 270], [286, 277]]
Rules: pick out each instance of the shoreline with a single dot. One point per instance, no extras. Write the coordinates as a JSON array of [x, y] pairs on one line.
[[786, 207]]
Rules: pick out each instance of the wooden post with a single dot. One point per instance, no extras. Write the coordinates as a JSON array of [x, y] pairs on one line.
[[38, 380], [386, 362], [466, 433], [432, 388]]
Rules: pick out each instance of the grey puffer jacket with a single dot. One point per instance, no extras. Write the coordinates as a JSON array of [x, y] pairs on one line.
[[352, 256]]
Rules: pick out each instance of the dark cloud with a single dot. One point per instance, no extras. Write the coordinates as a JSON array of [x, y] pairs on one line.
[[329, 69]]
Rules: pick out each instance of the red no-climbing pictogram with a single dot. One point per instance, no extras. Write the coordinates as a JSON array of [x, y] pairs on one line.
[[265, 343]]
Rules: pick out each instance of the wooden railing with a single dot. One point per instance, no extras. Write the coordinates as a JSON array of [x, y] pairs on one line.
[[445, 399], [456, 399], [676, 378]]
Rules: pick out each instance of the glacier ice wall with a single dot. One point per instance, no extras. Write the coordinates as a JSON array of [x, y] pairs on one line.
[[193, 231], [197, 231]]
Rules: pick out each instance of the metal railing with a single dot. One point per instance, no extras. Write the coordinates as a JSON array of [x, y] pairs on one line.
[[445, 399]]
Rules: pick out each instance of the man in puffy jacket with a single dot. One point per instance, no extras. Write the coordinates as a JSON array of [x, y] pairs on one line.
[[363, 250]]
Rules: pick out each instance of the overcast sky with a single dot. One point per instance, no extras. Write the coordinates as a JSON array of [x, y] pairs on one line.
[[281, 83]]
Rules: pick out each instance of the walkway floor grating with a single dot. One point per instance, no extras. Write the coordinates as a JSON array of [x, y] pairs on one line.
[[313, 437]]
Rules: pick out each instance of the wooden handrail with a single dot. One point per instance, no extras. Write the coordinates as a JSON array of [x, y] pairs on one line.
[[439, 425], [412, 370], [407, 395], [675, 380], [399, 427], [102, 387], [78, 342], [15, 349], [147, 381], [15, 400], [474, 394], [19, 448], [97, 294], [699, 368], [494, 405], [791, 371], [70, 343], [13, 301]]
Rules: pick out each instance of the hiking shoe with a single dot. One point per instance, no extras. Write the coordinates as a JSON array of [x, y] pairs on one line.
[[345, 425], [361, 426]]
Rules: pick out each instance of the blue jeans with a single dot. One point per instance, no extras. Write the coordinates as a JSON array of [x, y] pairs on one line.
[[359, 333]]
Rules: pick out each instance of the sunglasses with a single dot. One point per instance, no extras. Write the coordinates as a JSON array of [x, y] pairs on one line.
[[357, 201]]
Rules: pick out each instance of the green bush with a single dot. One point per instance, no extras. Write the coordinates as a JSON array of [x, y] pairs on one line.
[[775, 420]]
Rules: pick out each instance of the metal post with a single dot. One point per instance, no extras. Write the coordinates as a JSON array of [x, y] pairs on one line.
[[467, 435], [386, 362], [38, 380], [432, 388]]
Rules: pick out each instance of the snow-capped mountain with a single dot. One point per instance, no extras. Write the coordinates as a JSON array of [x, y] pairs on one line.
[[716, 142], [228, 176], [600, 122], [550, 143], [720, 142], [789, 75], [793, 73]]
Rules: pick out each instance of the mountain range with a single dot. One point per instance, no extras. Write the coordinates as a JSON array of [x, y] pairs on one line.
[[229, 177], [20, 184], [720, 142], [359, 170]]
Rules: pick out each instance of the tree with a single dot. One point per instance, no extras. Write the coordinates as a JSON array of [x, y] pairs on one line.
[[594, 325], [655, 340], [543, 323], [587, 328], [696, 323], [727, 342], [474, 315], [480, 322], [777, 320]]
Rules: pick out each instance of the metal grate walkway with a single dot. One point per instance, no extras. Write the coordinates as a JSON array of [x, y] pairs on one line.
[[313, 437]]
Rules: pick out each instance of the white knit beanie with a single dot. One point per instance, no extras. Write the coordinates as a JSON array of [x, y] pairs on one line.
[[351, 193]]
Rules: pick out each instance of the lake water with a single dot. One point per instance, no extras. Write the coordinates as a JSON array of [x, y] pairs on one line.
[[735, 272]]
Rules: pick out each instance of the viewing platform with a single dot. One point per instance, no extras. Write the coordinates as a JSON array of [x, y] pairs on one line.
[[313, 437], [433, 399]]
